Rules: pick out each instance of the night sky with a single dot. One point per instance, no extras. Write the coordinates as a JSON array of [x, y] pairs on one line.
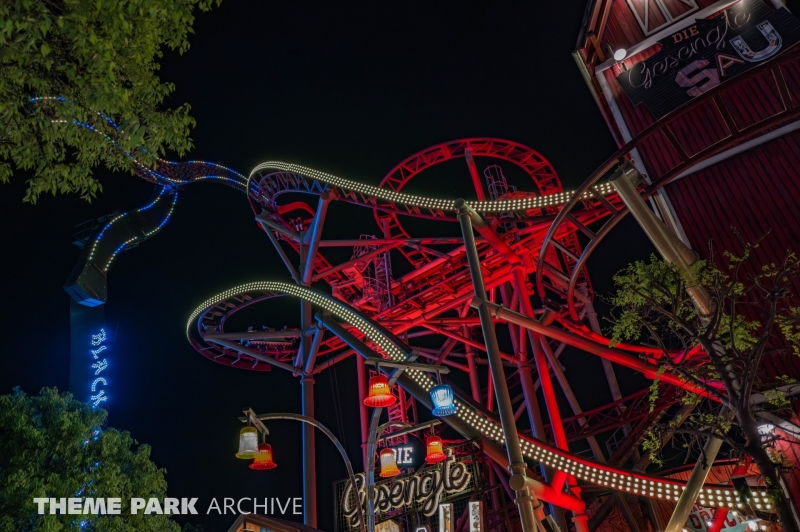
[[348, 89]]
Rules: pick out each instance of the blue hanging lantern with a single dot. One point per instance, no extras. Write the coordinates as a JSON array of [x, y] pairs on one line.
[[442, 399]]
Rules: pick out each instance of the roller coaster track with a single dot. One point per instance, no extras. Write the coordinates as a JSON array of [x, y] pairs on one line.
[[543, 236], [468, 420]]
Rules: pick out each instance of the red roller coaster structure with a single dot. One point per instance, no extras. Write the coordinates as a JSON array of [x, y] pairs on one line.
[[532, 264]]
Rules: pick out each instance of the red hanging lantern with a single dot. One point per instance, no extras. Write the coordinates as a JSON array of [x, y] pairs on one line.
[[263, 459], [388, 464], [435, 450], [379, 392]]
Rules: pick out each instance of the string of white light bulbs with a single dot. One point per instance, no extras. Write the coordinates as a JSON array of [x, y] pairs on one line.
[[595, 473], [558, 459], [507, 205]]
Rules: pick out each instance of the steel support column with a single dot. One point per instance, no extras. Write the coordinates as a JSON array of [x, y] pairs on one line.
[[683, 508], [387, 262], [521, 296], [474, 383], [530, 400], [675, 252], [551, 402], [306, 358], [312, 239], [524, 499], [363, 411], [309, 450], [281, 252], [309, 454], [608, 368], [473, 173], [668, 245]]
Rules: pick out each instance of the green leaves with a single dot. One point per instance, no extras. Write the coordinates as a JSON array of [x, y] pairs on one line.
[[50, 446], [652, 446], [746, 317], [103, 55], [652, 396], [777, 398], [789, 324], [643, 290]]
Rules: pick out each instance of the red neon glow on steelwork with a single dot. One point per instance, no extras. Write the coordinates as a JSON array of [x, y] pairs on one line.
[[435, 285]]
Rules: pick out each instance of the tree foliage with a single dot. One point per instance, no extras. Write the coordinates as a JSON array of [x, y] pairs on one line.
[[52, 446], [100, 57], [718, 354]]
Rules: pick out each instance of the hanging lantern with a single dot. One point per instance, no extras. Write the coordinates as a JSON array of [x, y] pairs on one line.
[[379, 392], [248, 443], [388, 465], [263, 459], [442, 399], [435, 450]]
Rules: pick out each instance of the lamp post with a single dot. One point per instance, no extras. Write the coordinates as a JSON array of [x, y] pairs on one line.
[[672, 250], [257, 421]]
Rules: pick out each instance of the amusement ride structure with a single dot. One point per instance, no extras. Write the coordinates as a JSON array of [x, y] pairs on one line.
[[525, 271]]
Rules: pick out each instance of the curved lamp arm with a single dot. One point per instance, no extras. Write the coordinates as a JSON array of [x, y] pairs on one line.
[[329, 434]]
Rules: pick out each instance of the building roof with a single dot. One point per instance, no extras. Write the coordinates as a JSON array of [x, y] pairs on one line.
[[262, 523]]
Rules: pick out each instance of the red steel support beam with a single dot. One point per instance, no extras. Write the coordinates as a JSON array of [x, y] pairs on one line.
[[574, 340], [473, 172], [465, 341]]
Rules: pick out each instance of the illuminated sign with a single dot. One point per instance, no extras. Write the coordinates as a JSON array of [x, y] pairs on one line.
[[99, 365], [422, 491], [409, 455], [475, 516], [446, 518], [703, 55], [387, 526], [700, 521]]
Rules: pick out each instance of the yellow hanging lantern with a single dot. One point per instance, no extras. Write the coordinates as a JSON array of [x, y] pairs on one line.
[[248, 443], [388, 464]]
